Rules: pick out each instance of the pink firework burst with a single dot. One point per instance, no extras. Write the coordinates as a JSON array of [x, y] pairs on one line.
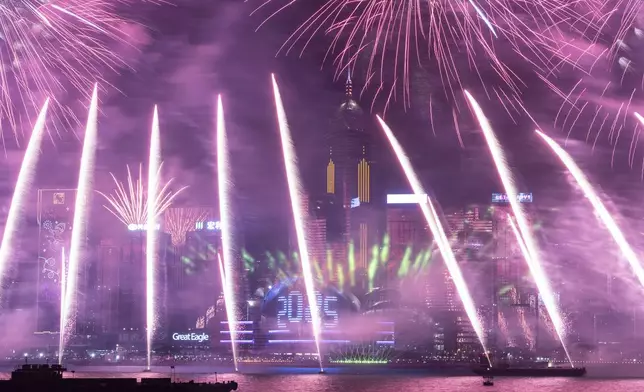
[[458, 44], [52, 48]]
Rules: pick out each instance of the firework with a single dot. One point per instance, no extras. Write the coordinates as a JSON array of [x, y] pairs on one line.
[[295, 193], [604, 113], [81, 216], [458, 42], [225, 212], [522, 229], [23, 187], [609, 87], [179, 221], [431, 217], [154, 178], [130, 203], [527, 332], [51, 47], [601, 211], [503, 326], [63, 287]]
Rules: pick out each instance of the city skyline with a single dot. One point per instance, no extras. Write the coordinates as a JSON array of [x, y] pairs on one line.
[[415, 223]]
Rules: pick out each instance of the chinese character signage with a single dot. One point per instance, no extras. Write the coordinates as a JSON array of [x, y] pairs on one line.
[[208, 226]]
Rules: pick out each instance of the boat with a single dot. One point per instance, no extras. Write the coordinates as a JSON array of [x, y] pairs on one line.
[[530, 372], [44, 377]]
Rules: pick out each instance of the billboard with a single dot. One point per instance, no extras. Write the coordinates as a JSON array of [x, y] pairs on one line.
[[503, 198], [355, 202], [407, 199]]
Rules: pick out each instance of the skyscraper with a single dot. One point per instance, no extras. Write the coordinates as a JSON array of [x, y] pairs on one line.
[[406, 227], [131, 292], [55, 212], [346, 206], [107, 284], [348, 174], [193, 274], [471, 232]]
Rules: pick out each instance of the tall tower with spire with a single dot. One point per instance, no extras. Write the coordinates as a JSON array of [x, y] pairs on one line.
[[348, 181], [348, 172]]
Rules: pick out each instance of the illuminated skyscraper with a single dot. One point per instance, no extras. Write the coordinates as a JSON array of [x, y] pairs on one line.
[[346, 206], [55, 216], [348, 170]]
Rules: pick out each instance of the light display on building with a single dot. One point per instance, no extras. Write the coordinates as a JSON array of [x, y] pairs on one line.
[[292, 309], [287, 319], [55, 216]]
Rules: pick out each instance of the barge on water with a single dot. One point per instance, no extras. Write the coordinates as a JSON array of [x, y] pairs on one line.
[[530, 372], [487, 368], [43, 378]]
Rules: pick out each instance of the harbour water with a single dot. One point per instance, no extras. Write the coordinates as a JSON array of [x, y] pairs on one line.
[[363, 379]]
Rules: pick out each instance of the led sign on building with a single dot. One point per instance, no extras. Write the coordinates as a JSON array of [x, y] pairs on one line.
[[503, 198], [292, 309], [210, 226], [293, 317], [190, 337], [355, 202], [407, 199], [140, 227]]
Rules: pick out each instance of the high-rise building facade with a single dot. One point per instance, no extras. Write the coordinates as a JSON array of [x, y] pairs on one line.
[[513, 301], [471, 232], [511, 266], [193, 276], [365, 234], [55, 211], [107, 285], [131, 292], [406, 227], [316, 238]]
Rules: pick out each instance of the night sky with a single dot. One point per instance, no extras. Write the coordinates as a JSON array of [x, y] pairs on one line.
[[190, 51]]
